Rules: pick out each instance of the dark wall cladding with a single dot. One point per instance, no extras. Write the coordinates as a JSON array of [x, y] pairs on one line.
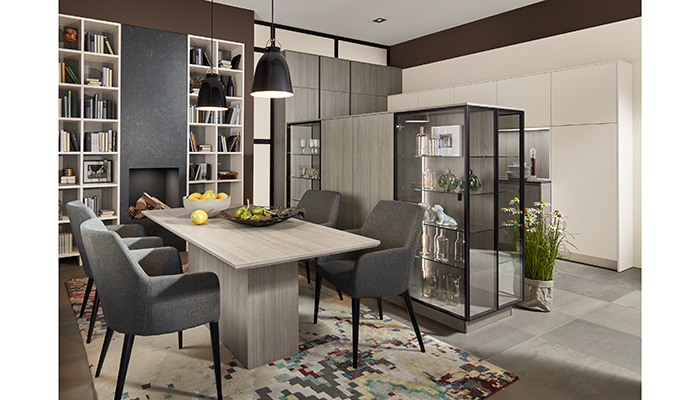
[[154, 105], [536, 21]]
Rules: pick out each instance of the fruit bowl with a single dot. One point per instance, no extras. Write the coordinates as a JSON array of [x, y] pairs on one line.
[[211, 206], [278, 215]]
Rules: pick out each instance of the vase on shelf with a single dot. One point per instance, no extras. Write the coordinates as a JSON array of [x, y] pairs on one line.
[[441, 247], [230, 91], [459, 248], [453, 289], [474, 183], [426, 248], [448, 181], [429, 285], [422, 143], [429, 181]]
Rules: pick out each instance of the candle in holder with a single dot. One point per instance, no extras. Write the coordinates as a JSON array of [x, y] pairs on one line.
[[302, 144]]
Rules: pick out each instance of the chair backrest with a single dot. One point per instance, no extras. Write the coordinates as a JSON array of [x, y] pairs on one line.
[[395, 224], [79, 213], [122, 282], [322, 207]]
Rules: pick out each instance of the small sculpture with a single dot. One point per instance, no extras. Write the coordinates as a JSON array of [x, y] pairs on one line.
[[442, 218], [427, 215], [70, 35]]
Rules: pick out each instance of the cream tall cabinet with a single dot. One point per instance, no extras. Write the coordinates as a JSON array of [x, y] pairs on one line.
[[215, 140], [89, 94], [591, 167]]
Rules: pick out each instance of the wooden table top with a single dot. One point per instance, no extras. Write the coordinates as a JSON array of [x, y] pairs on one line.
[[243, 246]]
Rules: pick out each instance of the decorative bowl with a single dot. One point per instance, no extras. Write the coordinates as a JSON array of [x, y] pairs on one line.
[[278, 215], [211, 206]]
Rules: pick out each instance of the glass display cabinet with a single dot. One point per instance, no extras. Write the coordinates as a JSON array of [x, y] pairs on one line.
[[303, 159], [449, 160]]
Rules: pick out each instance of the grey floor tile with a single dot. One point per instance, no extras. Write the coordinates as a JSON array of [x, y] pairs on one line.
[[488, 341], [630, 278], [621, 318], [600, 341], [633, 300], [570, 372], [527, 389], [536, 322], [591, 288], [574, 304]]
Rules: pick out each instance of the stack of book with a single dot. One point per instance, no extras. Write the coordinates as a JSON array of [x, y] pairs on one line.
[[230, 144], [107, 213], [67, 141], [93, 82], [97, 43], [199, 57], [204, 148], [93, 203], [67, 180], [100, 141], [100, 109], [64, 72], [65, 109], [65, 243], [225, 64], [200, 172]]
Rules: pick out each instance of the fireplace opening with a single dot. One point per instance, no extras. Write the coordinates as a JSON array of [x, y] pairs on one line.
[[162, 183]]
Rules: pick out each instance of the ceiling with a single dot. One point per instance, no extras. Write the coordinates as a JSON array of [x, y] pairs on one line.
[[405, 19]]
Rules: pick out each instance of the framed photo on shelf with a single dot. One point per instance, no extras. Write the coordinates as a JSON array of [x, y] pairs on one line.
[[450, 140], [97, 171]]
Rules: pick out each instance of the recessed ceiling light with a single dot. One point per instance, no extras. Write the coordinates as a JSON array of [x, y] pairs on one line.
[[379, 20]]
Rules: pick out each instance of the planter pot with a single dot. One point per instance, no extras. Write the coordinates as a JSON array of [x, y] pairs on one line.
[[537, 295]]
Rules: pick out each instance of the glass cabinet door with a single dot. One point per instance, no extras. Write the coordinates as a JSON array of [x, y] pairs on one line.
[[303, 160], [449, 161]]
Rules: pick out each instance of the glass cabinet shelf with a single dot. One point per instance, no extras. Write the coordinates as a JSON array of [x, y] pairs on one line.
[[456, 158]]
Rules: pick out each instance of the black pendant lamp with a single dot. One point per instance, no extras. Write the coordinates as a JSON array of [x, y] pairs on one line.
[[272, 78], [212, 96]]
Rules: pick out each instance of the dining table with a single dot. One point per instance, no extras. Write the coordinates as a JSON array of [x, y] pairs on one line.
[[257, 268]]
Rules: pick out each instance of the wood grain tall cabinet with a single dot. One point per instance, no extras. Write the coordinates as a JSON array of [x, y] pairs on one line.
[[89, 96]]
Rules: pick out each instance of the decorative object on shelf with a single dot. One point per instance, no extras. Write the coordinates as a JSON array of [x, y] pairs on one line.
[[272, 79], [235, 61], [427, 215], [70, 35], [422, 143], [97, 171], [426, 243], [430, 283], [449, 140], [211, 95], [513, 171], [442, 218], [453, 289], [460, 244], [532, 162], [448, 181], [228, 175], [545, 237], [429, 180], [474, 183], [302, 145], [195, 82], [442, 252], [230, 90]]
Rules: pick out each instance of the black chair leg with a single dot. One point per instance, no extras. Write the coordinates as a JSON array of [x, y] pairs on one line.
[[379, 307], [355, 329], [308, 273], [123, 365], [409, 308], [317, 296], [214, 332], [103, 353], [88, 288], [93, 317], [179, 339], [340, 294]]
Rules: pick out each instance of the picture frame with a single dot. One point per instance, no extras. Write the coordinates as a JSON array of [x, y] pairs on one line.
[[97, 171], [450, 140]]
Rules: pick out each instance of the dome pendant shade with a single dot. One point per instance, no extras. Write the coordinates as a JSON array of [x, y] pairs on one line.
[[272, 78], [212, 96]]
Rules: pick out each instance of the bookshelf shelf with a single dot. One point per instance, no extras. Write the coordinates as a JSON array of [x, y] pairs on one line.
[[78, 65], [216, 131]]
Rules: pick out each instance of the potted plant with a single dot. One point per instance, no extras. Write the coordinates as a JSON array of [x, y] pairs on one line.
[[545, 238]]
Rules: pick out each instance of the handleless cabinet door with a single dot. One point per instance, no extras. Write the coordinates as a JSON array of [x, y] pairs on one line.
[[337, 165], [530, 93], [586, 95]]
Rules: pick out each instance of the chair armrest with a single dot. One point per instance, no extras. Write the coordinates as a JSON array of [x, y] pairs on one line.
[[145, 242], [127, 230], [179, 302], [382, 272], [158, 261]]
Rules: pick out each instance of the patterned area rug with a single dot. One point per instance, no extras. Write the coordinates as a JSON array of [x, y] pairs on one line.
[[391, 365]]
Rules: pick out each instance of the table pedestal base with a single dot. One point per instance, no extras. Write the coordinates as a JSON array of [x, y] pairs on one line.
[[259, 320]]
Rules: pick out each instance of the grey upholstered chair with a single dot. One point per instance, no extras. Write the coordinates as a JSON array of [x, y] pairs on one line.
[[321, 207], [135, 303], [132, 234], [380, 271]]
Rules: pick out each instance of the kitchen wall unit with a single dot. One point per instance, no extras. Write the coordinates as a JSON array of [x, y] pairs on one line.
[[594, 102]]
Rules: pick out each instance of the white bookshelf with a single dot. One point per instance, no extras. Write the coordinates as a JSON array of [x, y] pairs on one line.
[[87, 65], [208, 132]]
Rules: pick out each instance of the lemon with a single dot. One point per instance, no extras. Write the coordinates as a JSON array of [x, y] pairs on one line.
[[195, 196], [208, 195], [221, 195], [198, 217]]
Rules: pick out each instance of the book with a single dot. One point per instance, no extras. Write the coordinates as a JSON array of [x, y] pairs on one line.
[[71, 74], [109, 47]]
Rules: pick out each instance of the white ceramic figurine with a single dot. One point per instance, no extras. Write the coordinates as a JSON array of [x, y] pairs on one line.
[[427, 215], [442, 218]]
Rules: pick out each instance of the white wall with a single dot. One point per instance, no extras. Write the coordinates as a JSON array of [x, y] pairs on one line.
[[617, 41]]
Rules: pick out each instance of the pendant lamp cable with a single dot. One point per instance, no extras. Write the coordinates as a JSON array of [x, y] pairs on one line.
[[211, 67]]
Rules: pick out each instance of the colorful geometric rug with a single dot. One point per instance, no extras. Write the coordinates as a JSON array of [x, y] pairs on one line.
[[390, 366]]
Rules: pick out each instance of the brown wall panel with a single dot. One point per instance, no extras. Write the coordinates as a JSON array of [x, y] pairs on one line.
[[189, 17], [537, 21]]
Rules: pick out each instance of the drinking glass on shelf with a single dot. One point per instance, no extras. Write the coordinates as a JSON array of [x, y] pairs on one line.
[[302, 172], [302, 145], [459, 248]]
